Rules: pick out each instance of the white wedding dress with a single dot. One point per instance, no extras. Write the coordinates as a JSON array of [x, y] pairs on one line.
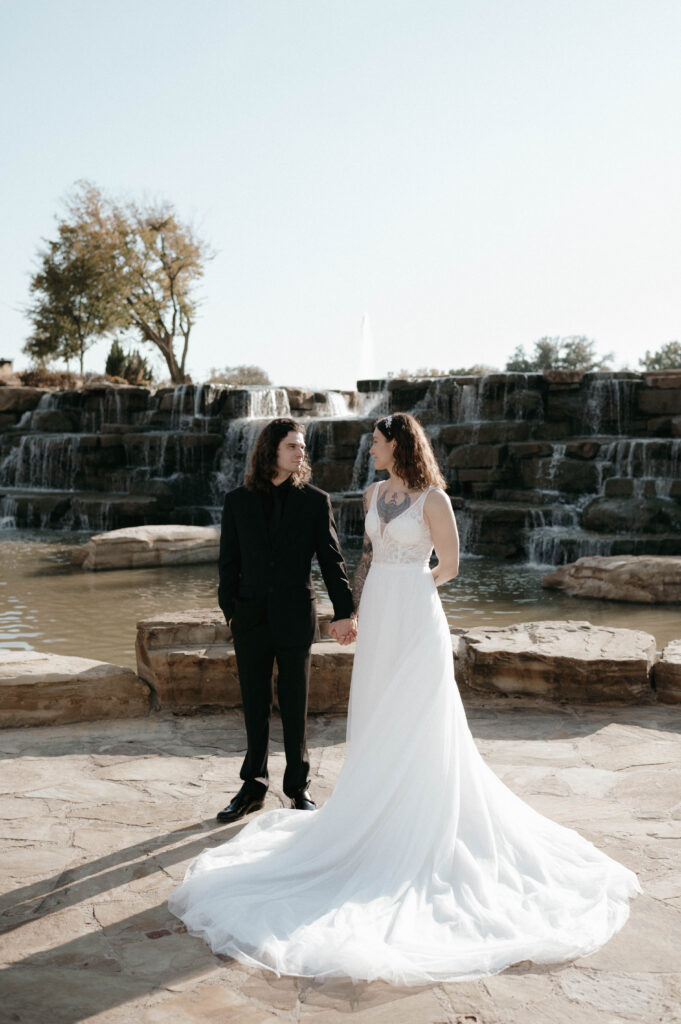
[[422, 866]]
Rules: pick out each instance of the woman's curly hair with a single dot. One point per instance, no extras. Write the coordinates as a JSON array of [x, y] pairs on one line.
[[415, 461], [263, 464]]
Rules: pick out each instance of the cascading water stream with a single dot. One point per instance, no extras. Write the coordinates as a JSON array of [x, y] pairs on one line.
[[109, 457], [363, 470]]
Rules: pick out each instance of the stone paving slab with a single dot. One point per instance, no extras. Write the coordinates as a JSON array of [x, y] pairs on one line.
[[99, 820]]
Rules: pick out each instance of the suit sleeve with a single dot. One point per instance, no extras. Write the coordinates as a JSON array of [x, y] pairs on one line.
[[229, 563], [331, 563]]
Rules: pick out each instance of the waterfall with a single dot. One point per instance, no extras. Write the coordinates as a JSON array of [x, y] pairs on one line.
[[374, 403], [609, 400], [239, 440], [470, 403], [643, 460], [547, 529], [178, 419], [48, 402], [349, 515], [262, 403], [363, 470], [8, 513], [557, 456], [336, 404], [512, 379], [43, 462], [318, 438], [469, 526]]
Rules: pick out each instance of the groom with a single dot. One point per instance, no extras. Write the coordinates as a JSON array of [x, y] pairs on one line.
[[271, 529]]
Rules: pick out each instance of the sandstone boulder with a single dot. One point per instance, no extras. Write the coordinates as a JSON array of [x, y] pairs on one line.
[[477, 455], [648, 579], [571, 661], [668, 674], [47, 689], [187, 658], [632, 515], [493, 432], [53, 421], [662, 378], [20, 399], [189, 663], [661, 401], [138, 546]]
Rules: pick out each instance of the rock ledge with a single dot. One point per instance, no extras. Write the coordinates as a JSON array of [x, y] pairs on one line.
[[649, 579], [137, 546]]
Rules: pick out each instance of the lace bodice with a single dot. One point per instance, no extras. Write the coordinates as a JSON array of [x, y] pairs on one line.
[[405, 539]]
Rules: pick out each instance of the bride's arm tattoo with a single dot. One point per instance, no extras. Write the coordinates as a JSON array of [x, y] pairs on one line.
[[364, 564]]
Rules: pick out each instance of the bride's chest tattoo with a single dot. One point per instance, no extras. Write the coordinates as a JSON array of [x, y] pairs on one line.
[[390, 508]]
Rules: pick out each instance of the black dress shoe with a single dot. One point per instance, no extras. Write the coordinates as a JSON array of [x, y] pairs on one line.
[[243, 803], [302, 801]]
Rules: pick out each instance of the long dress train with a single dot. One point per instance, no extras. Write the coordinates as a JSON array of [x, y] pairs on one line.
[[422, 866]]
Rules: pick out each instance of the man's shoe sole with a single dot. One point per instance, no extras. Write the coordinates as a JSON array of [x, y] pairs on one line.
[[226, 818]]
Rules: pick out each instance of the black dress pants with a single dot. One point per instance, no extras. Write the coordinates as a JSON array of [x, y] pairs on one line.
[[256, 652]]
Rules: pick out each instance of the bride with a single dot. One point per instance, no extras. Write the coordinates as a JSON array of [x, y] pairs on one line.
[[422, 866]]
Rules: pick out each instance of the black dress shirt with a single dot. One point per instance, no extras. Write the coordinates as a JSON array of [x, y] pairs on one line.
[[274, 501]]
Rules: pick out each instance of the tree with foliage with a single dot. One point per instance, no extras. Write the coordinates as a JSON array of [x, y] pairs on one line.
[[477, 370], [666, 358], [159, 261], [131, 366], [239, 375], [116, 359], [141, 260], [75, 294], [574, 352]]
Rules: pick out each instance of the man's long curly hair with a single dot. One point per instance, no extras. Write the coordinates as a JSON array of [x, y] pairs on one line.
[[263, 464], [415, 461]]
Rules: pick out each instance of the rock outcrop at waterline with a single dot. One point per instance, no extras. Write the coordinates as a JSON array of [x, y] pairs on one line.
[[668, 674], [186, 663], [646, 579], [141, 546]]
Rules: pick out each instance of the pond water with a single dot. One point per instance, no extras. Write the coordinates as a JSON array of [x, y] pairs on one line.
[[48, 605]]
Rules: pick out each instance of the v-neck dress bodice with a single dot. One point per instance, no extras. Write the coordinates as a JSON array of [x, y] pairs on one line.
[[405, 540]]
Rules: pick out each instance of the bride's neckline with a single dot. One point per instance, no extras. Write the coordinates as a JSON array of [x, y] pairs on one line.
[[382, 527]]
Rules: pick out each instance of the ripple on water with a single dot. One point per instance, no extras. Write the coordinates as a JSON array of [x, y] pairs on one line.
[[47, 604]]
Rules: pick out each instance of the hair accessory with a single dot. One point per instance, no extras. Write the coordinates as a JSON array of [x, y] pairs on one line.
[[388, 422]]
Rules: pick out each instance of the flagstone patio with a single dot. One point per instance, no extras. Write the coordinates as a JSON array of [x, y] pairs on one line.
[[100, 819]]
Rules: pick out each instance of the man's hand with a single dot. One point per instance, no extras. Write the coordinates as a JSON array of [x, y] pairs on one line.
[[344, 631]]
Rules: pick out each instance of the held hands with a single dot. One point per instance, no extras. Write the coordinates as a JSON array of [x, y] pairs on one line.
[[344, 631]]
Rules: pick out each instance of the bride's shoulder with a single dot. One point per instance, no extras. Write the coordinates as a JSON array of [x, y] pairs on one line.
[[436, 500]]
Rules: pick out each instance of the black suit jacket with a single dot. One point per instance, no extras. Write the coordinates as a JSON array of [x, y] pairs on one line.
[[258, 572]]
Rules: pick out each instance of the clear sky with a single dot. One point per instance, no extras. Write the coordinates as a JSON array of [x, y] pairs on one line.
[[472, 174]]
